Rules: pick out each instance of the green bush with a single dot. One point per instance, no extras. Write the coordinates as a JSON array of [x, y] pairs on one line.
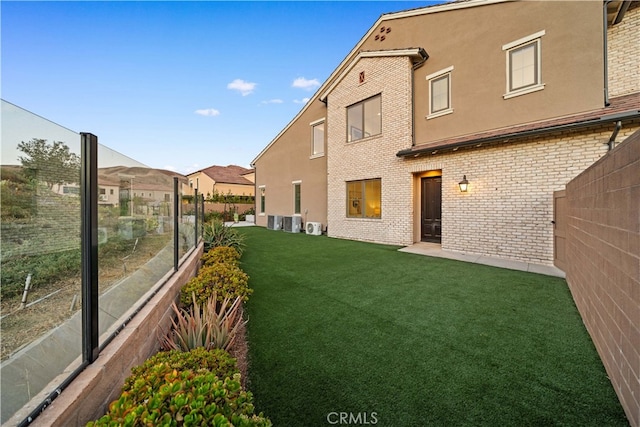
[[216, 233], [221, 254], [169, 397], [198, 360], [223, 279], [45, 269]]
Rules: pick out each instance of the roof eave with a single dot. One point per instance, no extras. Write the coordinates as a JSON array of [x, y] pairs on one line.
[[626, 116]]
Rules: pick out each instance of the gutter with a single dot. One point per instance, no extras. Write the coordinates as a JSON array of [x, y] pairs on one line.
[[605, 51], [415, 66], [619, 117]]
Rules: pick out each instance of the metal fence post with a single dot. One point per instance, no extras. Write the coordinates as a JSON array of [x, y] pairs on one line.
[[176, 234], [89, 245]]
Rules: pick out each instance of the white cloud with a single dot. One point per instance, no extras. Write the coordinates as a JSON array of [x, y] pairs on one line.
[[301, 101], [273, 101], [245, 88], [305, 84], [209, 112], [170, 168]]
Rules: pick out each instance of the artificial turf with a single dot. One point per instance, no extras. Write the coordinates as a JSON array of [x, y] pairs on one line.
[[358, 332]]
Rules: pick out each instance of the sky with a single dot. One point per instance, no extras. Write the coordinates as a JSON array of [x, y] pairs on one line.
[[177, 85]]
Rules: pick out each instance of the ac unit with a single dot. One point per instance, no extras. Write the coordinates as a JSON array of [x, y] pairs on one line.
[[103, 197], [314, 228], [274, 222], [292, 224]]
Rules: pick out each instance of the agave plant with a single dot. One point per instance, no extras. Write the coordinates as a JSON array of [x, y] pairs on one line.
[[216, 233], [214, 325]]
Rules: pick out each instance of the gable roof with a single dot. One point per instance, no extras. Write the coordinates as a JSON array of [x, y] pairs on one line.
[[621, 108], [460, 4], [231, 174]]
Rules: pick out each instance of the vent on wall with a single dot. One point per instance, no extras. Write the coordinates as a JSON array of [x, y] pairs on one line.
[[274, 222], [314, 228], [292, 224]]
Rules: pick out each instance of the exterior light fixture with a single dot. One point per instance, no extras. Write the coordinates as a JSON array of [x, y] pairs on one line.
[[464, 184]]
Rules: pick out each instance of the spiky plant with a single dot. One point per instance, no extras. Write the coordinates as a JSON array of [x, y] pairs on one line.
[[212, 325]]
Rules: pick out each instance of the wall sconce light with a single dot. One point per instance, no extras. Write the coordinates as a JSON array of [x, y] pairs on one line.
[[464, 184]]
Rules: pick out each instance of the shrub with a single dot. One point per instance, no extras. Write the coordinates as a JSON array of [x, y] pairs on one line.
[[223, 279], [216, 233], [198, 360], [215, 325], [166, 396], [221, 254]]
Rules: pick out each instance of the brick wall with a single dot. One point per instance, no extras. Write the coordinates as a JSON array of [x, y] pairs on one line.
[[603, 272], [372, 157], [624, 61]]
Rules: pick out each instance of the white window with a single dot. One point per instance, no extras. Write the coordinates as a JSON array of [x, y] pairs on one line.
[[440, 93], [317, 138], [262, 199], [523, 65]]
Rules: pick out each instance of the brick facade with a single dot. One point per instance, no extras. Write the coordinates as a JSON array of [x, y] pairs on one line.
[[508, 209], [624, 61], [603, 246], [372, 157]]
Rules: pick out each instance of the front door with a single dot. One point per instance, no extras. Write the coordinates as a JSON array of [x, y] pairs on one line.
[[431, 209]]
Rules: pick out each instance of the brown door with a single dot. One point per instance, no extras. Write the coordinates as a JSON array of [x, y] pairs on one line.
[[559, 228], [431, 211]]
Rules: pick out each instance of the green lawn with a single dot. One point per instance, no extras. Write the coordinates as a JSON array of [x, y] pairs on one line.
[[397, 339]]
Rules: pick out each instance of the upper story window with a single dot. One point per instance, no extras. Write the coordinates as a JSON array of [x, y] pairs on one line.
[[523, 65], [317, 138], [440, 93], [364, 119]]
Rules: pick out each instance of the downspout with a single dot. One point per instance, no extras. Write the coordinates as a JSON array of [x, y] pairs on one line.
[[612, 140], [605, 52], [414, 67]]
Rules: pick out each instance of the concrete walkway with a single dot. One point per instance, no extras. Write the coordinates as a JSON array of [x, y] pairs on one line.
[[435, 250], [239, 224]]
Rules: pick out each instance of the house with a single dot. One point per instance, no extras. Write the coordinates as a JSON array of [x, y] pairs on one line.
[[461, 124], [512, 99], [222, 180]]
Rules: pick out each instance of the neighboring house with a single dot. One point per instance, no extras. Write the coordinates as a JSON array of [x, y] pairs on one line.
[[223, 180], [514, 98]]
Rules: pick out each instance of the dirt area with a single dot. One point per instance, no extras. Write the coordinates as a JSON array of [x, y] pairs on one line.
[[19, 327]]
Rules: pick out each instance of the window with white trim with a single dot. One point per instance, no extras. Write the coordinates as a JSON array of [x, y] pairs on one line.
[[262, 199], [317, 138], [524, 65], [440, 93], [296, 197]]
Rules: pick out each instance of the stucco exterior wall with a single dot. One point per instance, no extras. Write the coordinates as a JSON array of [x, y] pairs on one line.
[[289, 160], [624, 60], [372, 157], [471, 39]]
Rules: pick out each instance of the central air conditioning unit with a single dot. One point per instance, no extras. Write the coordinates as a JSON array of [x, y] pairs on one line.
[[314, 228], [274, 222], [103, 197], [292, 224]]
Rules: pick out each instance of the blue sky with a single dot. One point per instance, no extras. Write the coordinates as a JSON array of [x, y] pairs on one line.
[[177, 85]]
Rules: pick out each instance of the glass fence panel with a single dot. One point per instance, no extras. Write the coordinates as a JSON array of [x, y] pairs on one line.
[[187, 224], [135, 230], [40, 254]]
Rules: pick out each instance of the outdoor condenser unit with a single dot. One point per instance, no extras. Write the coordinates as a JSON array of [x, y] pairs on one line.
[[274, 222], [292, 224]]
